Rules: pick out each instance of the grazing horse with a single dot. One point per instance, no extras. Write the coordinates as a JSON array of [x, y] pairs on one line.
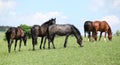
[[63, 30], [101, 26], [88, 28], [15, 33], [40, 31]]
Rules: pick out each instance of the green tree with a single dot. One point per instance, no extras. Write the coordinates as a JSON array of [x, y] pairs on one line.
[[117, 33], [27, 29]]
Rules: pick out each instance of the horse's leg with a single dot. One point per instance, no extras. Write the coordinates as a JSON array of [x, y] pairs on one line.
[[105, 37], [53, 36], [85, 35], [9, 45], [20, 44], [49, 40], [15, 45], [96, 36], [35, 40], [66, 41], [41, 42], [44, 43], [33, 43], [89, 36], [100, 36]]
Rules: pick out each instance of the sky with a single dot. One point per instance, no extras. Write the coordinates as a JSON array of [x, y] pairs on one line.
[[76, 12]]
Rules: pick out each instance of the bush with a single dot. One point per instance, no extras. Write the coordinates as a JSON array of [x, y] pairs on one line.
[[117, 33], [27, 29]]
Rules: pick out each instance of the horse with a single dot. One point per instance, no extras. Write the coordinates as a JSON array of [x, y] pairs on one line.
[[63, 30], [101, 26], [40, 31], [88, 28], [15, 33]]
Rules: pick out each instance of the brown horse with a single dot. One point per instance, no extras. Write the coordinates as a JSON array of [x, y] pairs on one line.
[[101, 26], [15, 33], [40, 31]]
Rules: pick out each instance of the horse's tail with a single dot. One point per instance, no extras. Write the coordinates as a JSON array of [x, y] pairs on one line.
[[76, 30], [7, 35]]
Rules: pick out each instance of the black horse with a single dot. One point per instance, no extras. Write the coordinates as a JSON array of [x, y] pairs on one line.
[[41, 31], [63, 30], [88, 28], [15, 33]]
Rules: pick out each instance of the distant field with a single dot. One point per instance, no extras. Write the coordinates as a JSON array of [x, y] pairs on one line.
[[99, 53]]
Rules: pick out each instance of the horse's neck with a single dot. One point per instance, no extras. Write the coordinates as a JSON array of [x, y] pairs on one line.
[[109, 31], [76, 34]]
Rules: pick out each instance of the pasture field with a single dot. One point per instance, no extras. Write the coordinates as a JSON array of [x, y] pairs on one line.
[[99, 53]]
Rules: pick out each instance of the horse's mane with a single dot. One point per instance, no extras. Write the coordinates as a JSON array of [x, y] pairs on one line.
[[47, 22], [109, 30], [76, 30]]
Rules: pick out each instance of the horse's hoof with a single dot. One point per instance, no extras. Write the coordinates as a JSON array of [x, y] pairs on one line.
[[43, 47], [33, 49], [14, 49], [64, 46], [8, 51], [48, 47], [40, 48], [81, 46], [54, 48]]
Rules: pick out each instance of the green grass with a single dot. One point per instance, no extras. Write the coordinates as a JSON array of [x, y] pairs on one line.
[[99, 53]]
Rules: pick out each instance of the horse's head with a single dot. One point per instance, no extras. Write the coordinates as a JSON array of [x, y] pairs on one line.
[[49, 22], [52, 21], [110, 36], [78, 35], [79, 41], [25, 39]]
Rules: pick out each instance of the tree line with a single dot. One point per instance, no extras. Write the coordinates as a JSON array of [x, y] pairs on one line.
[[4, 28], [25, 27]]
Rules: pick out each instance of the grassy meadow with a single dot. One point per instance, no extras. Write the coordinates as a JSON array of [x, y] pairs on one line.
[[99, 53]]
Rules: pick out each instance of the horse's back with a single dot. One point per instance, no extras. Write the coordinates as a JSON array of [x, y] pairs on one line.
[[60, 26], [100, 26], [88, 26], [96, 25], [60, 29]]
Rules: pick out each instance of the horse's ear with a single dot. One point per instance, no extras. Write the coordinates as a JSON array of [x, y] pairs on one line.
[[55, 18]]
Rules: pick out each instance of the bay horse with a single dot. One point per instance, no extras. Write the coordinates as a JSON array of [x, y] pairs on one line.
[[15, 33], [101, 26], [88, 28], [63, 30], [40, 31]]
